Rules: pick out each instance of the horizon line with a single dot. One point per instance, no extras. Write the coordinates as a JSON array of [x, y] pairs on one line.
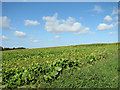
[[64, 45]]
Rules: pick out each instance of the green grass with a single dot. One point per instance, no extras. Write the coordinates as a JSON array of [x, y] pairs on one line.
[[93, 66]]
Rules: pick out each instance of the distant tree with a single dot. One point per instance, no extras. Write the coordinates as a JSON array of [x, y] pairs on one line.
[[1, 48], [14, 48], [7, 49], [20, 48]]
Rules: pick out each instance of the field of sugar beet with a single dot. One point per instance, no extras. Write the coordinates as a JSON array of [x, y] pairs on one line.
[[79, 66]]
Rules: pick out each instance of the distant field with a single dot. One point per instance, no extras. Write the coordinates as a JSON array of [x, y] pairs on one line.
[[80, 66]]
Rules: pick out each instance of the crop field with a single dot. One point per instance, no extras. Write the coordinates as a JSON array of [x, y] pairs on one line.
[[80, 66]]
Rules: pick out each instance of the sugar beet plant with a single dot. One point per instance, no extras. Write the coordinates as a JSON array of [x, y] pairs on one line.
[[55, 61], [48, 71]]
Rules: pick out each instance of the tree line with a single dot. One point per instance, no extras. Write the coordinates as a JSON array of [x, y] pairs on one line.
[[4, 49]]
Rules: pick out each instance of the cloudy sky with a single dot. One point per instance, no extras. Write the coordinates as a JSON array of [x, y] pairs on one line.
[[49, 24]]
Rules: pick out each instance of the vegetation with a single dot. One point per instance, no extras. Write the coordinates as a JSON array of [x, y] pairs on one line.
[[81, 66], [1, 48], [4, 49]]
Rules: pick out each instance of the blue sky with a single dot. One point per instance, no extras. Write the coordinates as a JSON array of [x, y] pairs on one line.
[[49, 24]]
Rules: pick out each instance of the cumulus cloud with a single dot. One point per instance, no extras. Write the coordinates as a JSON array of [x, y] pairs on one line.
[[108, 18], [31, 23], [57, 36], [20, 34], [112, 33], [32, 39], [104, 26], [4, 38], [5, 23], [69, 25], [97, 8], [35, 41]]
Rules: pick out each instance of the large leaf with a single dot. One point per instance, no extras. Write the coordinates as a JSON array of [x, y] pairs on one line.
[[58, 68], [54, 73], [45, 77]]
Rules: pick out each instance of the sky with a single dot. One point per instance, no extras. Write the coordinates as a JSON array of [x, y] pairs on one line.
[[60, 0], [50, 24]]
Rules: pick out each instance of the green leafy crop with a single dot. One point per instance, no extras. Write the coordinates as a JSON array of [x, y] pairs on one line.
[[39, 67]]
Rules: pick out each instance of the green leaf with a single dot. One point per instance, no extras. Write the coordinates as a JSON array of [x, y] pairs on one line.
[[49, 77], [54, 63], [91, 60], [45, 77], [58, 68], [54, 73]]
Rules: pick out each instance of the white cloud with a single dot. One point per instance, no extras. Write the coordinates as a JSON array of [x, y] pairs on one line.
[[112, 33], [108, 18], [103, 26], [32, 39], [83, 31], [57, 36], [19, 34], [4, 38], [97, 8], [35, 41], [31, 23], [5, 22], [54, 25]]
